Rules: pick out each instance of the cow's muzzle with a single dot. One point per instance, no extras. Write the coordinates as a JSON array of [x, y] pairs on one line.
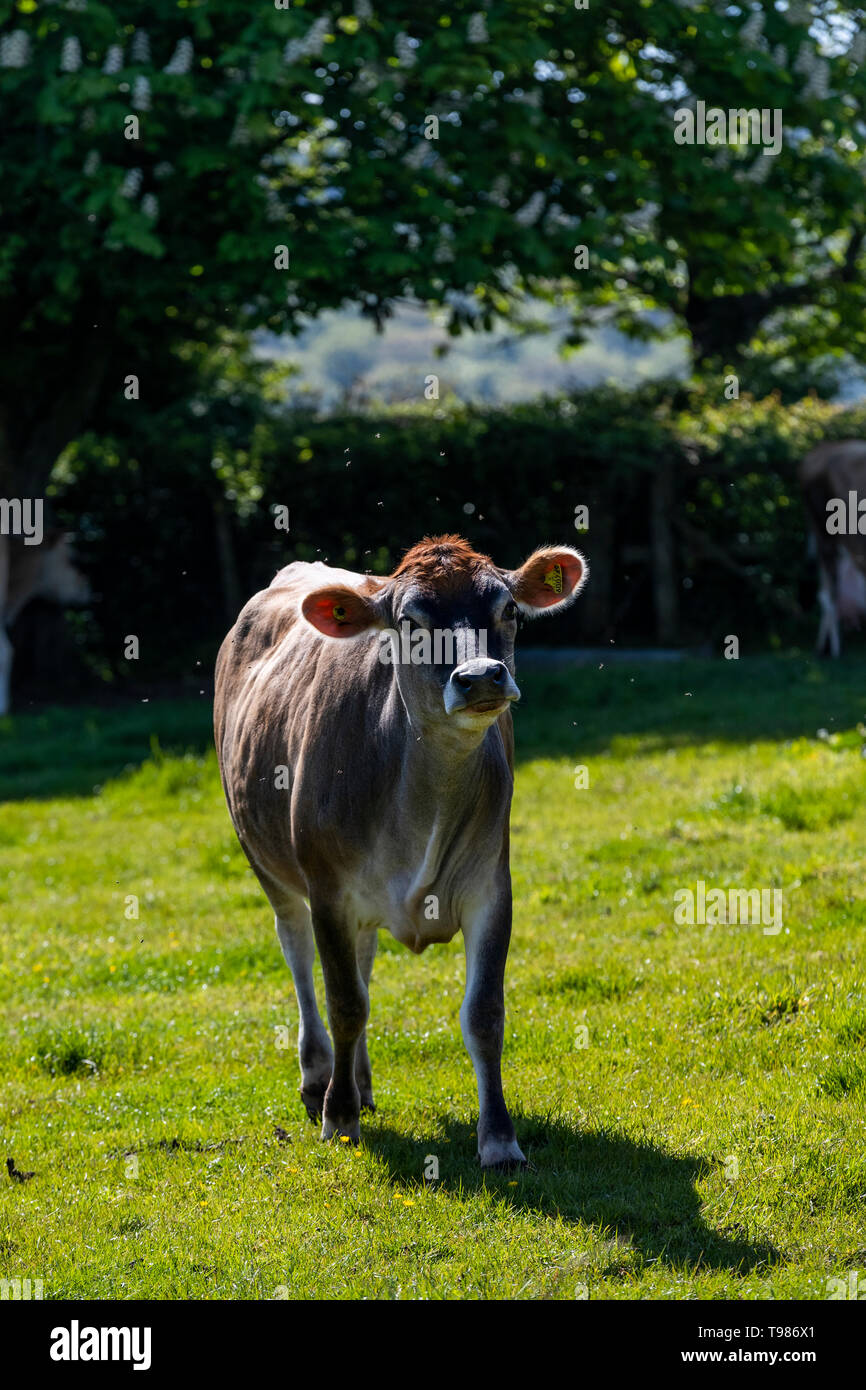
[[480, 686]]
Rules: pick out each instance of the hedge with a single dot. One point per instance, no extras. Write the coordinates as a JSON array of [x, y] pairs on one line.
[[174, 543]]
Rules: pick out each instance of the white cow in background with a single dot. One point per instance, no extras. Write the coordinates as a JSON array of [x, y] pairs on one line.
[[27, 572], [833, 478]]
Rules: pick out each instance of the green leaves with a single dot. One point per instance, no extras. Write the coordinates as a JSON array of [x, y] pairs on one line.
[[134, 232], [274, 127]]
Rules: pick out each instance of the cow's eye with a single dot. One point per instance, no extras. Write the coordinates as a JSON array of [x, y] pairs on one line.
[[509, 611]]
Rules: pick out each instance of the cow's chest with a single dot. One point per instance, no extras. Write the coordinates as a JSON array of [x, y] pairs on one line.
[[417, 914], [419, 888]]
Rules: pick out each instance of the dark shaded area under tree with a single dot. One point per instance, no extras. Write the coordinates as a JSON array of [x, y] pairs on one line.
[[696, 526]]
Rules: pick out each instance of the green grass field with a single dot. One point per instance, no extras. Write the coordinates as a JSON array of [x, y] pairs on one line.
[[706, 1142]]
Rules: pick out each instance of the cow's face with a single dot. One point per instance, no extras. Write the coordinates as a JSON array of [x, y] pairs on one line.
[[452, 648], [446, 622], [61, 580], [47, 571]]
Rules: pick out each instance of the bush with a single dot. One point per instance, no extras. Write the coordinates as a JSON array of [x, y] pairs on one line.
[[153, 528]]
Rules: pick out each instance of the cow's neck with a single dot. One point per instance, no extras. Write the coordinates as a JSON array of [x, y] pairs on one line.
[[453, 800], [447, 779]]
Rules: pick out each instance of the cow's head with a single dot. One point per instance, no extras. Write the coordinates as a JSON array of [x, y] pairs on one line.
[[447, 620], [61, 580], [46, 571]]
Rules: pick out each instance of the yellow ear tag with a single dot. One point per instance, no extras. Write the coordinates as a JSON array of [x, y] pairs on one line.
[[553, 579], [339, 613]]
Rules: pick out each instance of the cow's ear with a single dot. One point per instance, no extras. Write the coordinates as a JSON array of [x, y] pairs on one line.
[[549, 580], [339, 611]]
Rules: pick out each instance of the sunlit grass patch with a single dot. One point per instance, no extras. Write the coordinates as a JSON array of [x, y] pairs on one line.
[[691, 1097]]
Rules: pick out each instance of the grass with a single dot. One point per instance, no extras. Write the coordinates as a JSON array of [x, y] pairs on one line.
[[692, 1098]]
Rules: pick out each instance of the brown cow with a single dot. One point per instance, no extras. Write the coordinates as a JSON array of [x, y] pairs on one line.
[[368, 771], [27, 572], [833, 478]]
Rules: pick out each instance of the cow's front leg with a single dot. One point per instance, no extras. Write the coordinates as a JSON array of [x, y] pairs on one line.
[[368, 940], [295, 931], [348, 1008], [829, 626], [482, 1019], [5, 666]]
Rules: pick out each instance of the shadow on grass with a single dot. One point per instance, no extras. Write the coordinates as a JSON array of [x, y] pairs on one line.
[[766, 698], [65, 752], [636, 1193], [564, 713]]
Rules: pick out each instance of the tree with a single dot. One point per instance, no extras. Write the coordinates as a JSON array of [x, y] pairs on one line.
[[238, 166]]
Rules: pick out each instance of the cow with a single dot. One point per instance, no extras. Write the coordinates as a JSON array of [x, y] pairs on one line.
[[369, 789], [833, 476], [27, 572]]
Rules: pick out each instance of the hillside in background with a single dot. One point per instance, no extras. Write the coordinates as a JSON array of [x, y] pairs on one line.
[[341, 358]]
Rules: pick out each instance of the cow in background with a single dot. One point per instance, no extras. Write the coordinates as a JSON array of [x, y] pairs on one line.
[[370, 790], [833, 479], [28, 572]]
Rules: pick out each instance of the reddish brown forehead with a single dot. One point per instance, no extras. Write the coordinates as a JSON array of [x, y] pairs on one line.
[[442, 564]]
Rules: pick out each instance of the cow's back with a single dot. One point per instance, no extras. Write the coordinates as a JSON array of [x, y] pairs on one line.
[[295, 725], [829, 472], [268, 626], [833, 470]]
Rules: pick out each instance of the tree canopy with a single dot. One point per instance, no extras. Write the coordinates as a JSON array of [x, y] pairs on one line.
[[197, 166]]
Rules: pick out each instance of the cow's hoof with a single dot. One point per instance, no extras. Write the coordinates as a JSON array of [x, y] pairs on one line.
[[509, 1165], [368, 1104], [313, 1098], [502, 1155], [350, 1130]]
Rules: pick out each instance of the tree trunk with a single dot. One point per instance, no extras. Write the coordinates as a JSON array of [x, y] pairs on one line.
[[596, 604], [34, 431], [231, 589], [665, 592]]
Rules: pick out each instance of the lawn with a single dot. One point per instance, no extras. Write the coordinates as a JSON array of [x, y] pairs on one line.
[[691, 1097]]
